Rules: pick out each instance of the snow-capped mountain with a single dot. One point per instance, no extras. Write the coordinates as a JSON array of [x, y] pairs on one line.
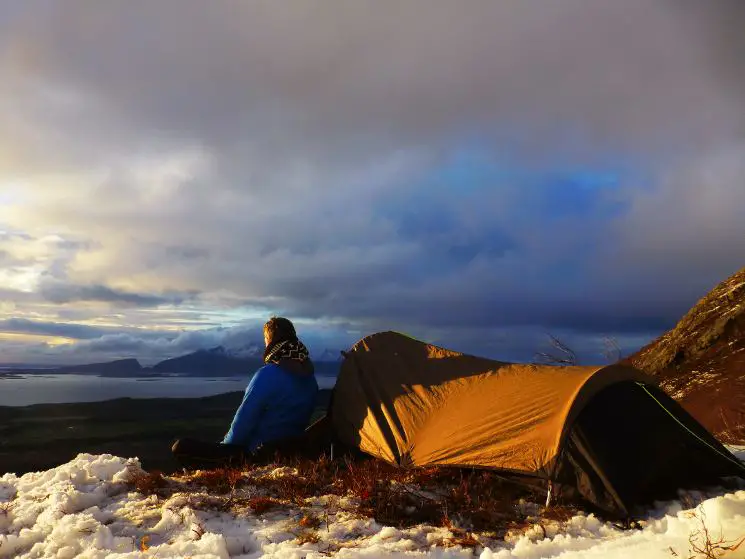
[[249, 350], [329, 355], [246, 351]]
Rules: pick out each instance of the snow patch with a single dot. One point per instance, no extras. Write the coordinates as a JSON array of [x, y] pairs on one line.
[[87, 508]]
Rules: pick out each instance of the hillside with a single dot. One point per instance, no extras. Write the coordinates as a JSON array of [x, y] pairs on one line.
[[701, 362], [31, 438]]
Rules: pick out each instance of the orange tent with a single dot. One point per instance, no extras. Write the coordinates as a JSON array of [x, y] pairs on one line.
[[607, 432]]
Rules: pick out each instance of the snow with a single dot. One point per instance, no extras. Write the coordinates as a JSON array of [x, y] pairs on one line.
[[86, 508]]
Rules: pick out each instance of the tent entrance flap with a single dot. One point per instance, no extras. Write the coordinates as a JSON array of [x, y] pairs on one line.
[[642, 447], [716, 446]]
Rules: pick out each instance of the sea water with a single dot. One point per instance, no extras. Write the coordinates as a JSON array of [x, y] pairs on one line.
[[38, 388]]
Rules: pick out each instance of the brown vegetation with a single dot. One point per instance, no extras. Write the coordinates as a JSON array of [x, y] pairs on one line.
[[148, 483], [466, 502]]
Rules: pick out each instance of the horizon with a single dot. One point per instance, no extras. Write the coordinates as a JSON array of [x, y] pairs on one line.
[[475, 176]]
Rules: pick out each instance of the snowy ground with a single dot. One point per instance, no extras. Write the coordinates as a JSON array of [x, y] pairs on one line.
[[86, 508]]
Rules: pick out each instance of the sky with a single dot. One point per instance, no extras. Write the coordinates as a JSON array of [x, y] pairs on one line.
[[476, 175]]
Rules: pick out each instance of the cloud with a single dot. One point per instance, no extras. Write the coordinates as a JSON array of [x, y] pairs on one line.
[[63, 330], [432, 167], [93, 343], [60, 292], [320, 73]]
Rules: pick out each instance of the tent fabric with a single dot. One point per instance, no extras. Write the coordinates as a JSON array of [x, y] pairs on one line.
[[607, 434], [416, 404], [626, 448]]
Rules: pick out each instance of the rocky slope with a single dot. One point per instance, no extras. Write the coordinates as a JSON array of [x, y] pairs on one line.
[[701, 362]]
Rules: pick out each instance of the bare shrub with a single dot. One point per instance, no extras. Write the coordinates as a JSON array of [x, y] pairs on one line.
[[703, 545], [611, 349], [560, 354]]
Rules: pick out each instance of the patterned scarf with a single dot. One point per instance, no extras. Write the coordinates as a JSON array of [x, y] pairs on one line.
[[288, 349]]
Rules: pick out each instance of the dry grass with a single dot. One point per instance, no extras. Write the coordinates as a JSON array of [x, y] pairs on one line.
[[466, 502], [148, 483], [310, 521], [219, 480], [6, 508], [558, 513], [310, 536], [260, 505]]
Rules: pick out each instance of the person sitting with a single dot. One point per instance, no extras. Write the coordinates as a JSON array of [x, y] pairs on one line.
[[276, 408]]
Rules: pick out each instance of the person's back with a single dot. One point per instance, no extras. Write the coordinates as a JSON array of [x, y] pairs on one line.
[[278, 404]]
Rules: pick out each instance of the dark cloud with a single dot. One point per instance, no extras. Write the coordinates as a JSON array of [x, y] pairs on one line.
[[61, 293], [442, 168], [186, 252], [15, 235], [64, 330], [464, 302], [341, 83]]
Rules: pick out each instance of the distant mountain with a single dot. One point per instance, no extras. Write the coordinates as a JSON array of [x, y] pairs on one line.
[[330, 355], [701, 362], [243, 352], [216, 361], [120, 366], [219, 361]]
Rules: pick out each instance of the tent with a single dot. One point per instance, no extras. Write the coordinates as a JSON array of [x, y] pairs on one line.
[[607, 435]]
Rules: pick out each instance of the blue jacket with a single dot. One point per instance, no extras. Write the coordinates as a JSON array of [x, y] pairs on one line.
[[277, 404]]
